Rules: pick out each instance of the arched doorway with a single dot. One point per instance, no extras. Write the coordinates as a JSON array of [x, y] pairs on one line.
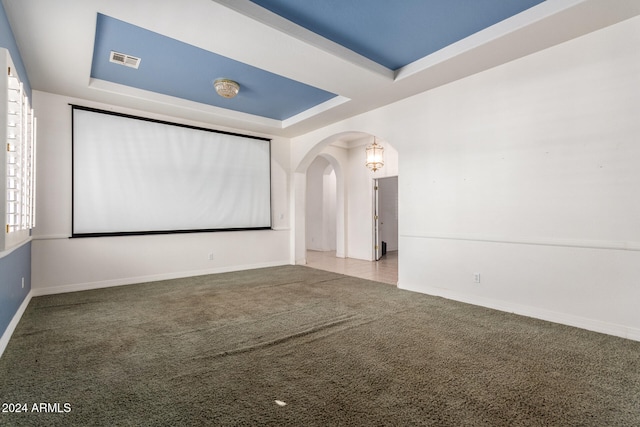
[[354, 211]]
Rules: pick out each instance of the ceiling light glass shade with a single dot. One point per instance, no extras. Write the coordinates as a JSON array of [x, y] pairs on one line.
[[375, 158], [226, 88]]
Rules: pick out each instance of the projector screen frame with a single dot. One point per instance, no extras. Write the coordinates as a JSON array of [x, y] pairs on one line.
[[75, 234]]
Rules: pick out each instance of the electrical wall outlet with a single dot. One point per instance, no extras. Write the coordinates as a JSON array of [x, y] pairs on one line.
[[211, 256], [476, 277], [23, 283]]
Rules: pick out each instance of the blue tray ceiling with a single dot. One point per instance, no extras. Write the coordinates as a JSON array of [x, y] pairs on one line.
[[396, 33], [177, 69]]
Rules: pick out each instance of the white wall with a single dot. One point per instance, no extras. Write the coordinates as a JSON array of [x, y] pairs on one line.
[[61, 264], [527, 174], [329, 204], [360, 202], [314, 192], [321, 206]]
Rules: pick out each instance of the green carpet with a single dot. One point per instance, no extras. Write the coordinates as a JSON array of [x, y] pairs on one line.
[[334, 350]]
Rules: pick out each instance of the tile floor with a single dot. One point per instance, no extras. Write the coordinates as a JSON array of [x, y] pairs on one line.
[[385, 270]]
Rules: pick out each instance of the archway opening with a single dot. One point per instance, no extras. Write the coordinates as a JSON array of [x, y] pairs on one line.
[[332, 177]]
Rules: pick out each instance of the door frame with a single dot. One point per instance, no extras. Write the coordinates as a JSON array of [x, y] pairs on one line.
[[377, 242]]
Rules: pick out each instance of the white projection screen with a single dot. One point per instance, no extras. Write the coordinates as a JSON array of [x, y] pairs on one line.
[[139, 176]]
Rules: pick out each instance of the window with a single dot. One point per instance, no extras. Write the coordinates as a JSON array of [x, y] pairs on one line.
[[18, 162]]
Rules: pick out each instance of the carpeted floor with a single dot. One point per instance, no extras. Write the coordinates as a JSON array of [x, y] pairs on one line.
[[297, 346]]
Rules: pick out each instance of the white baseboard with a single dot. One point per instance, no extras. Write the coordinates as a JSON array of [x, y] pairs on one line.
[[537, 313], [76, 287], [6, 336]]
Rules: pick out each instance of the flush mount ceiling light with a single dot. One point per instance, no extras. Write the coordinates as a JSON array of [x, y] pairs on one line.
[[375, 158], [226, 88]]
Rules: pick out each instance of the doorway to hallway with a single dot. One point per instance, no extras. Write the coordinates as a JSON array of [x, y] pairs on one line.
[[385, 211], [339, 214]]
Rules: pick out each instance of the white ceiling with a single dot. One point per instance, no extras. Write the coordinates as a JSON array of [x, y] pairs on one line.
[[56, 41]]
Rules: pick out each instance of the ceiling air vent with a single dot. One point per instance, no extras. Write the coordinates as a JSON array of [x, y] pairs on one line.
[[123, 59]]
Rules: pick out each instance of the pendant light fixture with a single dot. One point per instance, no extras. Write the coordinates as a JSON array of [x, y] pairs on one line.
[[375, 159]]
